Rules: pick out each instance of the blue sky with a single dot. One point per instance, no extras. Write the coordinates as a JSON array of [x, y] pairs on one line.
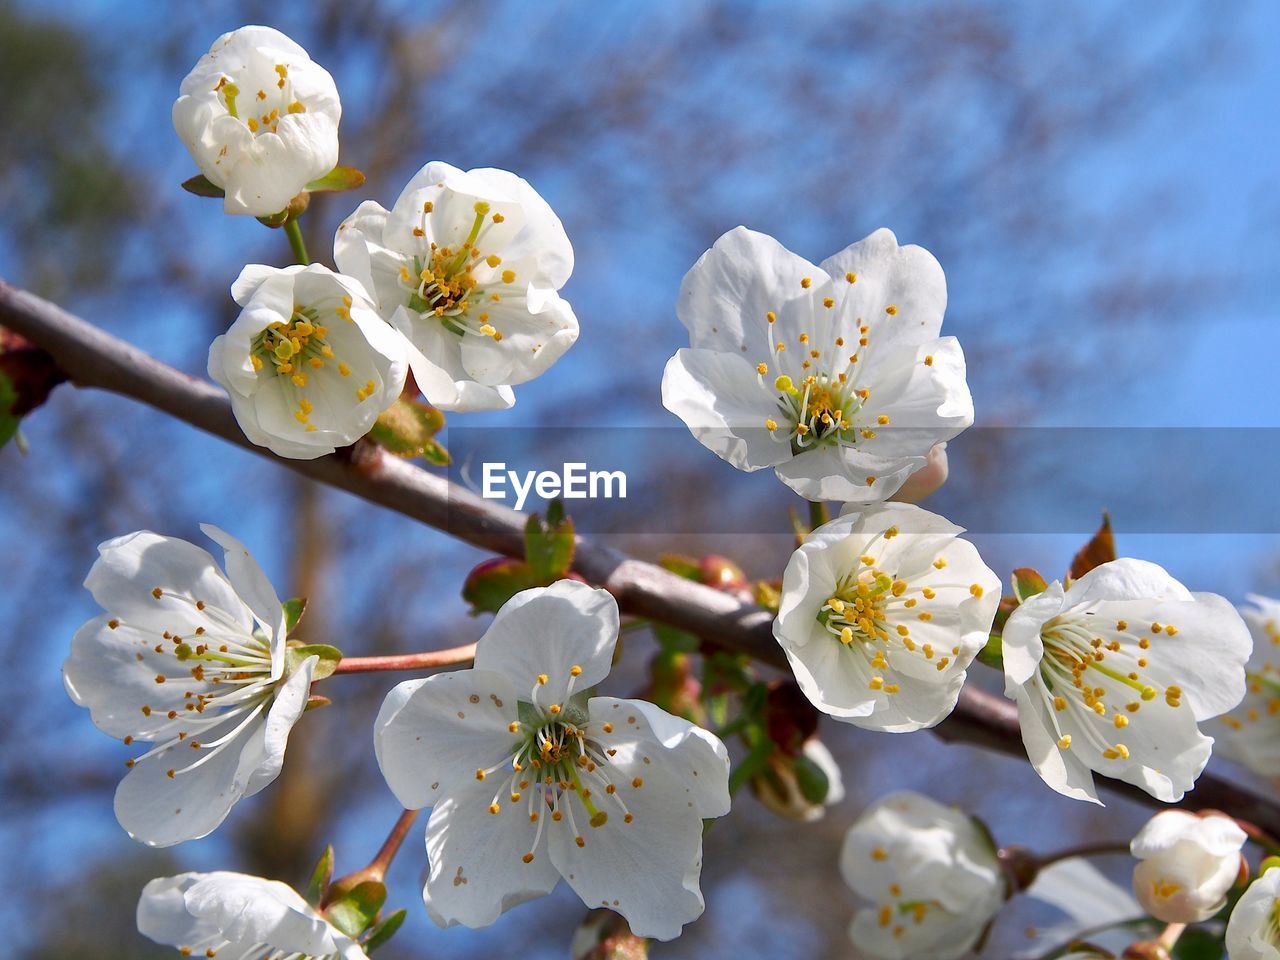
[[1208, 171]]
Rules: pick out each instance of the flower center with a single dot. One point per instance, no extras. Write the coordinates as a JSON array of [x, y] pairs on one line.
[[871, 609], [262, 109], [820, 410], [444, 283], [299, 350], [228, 675], [1095, 669], [825, 407], [558, 757]]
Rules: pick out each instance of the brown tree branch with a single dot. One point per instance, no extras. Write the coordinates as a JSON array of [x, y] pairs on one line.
[[92, 358]]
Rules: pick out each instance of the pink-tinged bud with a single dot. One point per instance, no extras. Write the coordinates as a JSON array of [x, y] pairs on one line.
[[927, 480]]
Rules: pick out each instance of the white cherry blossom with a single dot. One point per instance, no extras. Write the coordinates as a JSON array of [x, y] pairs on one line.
[[1187, 864], [260, 118], [308, 364], [1253, 932], [466, 264], [238, 917], [192, 661], [834, 375], [882, 612], [930, 874], [532, 778], [1250, 734], [1113, 674]]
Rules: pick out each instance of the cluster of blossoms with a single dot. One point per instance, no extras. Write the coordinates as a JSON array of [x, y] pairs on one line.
[[834, 375], [457, 282]]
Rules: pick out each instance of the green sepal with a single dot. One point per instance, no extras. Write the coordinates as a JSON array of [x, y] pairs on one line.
[[384, 931], [338, 179], [494, 582], [8, 399], [318, 885], [293, 611], [813, 782], [435, 454], [549, 544], [993, 653], [275, 220], [315, 702], [354, 910], [202, 186], [1027, 583], [296, 652], [1268, 863], [407, 428]]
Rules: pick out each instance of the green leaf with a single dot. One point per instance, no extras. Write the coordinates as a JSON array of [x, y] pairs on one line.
[[1027, 583], [8, 420], [993, 653], [320, 877], [353, 911], [337, 179], [201, 186], [384, 931], [408, 427], [751, 764], [329, 656], [548, 546], [494, 582], [293, 611]]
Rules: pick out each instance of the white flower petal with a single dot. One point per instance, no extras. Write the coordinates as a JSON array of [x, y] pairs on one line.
[[267, 757], [249, 909], [907, 277], [253, 587], [725, 295], [725, 404], [1251, 929], [694, 756], [478, 870], [545, 632], [432, 734], [160, 810], [640, 869], [130, 567]]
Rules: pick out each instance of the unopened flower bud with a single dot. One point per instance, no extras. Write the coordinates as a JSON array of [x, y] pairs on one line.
[[1187, 865]]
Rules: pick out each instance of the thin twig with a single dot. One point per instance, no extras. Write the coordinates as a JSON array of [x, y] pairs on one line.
[[92, 358], [429, 660]]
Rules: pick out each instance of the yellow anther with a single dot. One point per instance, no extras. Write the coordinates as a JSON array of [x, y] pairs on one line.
[[771, 424], [493, 259], [891, 310], [806, 282], [1064, 742], [508, 276]]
